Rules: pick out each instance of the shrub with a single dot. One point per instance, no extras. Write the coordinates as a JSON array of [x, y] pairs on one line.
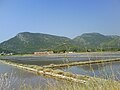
[[39, 68], [82, 77], [58, 71], [47, 70], [68, 74]]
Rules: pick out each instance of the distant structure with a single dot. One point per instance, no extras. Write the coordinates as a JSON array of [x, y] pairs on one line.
[[3, 53], [43, 53]]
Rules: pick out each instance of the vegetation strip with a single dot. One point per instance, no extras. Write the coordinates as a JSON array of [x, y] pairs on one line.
[[80, 79], [50, 72], [80, 63]]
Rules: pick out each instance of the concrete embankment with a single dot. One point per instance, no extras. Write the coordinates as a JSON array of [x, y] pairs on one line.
[[81, 63]]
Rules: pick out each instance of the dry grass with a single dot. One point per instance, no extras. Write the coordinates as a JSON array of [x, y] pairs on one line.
[[4, 83], [92, 84], [98, 84], [108, 85]]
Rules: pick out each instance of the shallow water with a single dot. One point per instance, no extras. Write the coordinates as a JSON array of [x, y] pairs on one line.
[[106, 70], [19, 77], [60, 58]]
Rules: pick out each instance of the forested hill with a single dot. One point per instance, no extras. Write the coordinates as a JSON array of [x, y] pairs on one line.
[[98, 41], [27, 42]]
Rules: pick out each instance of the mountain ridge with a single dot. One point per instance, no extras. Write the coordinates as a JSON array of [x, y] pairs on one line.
[[26, 42]]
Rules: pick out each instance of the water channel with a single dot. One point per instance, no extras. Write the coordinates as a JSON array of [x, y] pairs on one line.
[[105, 70]]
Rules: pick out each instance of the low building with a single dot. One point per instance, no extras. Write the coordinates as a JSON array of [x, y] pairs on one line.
[[43, 53], [3, 53]]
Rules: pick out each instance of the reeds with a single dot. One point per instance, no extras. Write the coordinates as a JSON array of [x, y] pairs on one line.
[[91, 84]]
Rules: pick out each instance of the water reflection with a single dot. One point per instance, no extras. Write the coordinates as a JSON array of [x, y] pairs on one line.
[[54, 59], [99, 70], [19, 77], [94, 67], [106, 70]]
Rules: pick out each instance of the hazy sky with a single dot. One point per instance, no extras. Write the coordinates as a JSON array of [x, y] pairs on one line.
[[59, 17]]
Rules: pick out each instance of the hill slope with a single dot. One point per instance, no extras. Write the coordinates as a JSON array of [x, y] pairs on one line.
[[97, 41], [30, 42]]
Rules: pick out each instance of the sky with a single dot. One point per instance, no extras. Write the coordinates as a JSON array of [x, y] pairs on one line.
[[68, 18]]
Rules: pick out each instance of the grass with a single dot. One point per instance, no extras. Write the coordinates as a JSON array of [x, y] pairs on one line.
[[48, 71], [58, 71], [81, 63], [75, 86], [91, 84], [5, 84]]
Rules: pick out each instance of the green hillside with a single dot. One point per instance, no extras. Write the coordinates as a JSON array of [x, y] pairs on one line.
[[27, 42], [113, 44], [31, 42], [96, 42]]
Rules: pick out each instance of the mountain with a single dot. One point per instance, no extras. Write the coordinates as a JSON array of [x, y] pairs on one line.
[[27, 42], [96, 41], [91, 39], [113, 44]]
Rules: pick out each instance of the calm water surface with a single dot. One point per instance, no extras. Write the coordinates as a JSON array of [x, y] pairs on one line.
[[59, 59], [19, 77], [105, 70]]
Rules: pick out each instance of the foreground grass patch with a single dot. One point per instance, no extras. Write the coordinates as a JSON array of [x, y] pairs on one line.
[[88, 83]]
